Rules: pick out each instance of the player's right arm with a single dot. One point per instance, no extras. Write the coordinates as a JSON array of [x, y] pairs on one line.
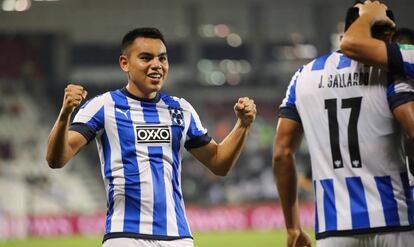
[[288, 137], [287, 140], [64, 144]]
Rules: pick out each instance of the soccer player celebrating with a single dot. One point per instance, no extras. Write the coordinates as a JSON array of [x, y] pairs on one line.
[[397, 58], [406, 36], [141, 133], [349, 112]]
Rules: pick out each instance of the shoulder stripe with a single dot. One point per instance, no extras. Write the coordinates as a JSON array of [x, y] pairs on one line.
[[344, 62], [291, 100], [319, 63]]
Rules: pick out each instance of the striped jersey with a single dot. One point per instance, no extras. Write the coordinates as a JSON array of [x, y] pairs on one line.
[[401, 63], [358, 162], [401, 60], [140, 143]]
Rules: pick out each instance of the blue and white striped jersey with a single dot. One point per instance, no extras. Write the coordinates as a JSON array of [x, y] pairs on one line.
[[358, 162], [401, 60], [140, 145], [401, 64]]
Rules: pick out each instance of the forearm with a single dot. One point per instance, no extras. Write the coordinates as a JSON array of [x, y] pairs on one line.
[[58, 149], [228, 151], [356, 37], [361, 28], [286, 181], [358, 44]]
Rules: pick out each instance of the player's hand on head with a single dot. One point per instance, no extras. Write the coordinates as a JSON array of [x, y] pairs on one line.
[[376, 11], [245, 110], [74, 95]]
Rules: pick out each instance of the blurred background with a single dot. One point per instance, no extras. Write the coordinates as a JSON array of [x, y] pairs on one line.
[[218, 50]]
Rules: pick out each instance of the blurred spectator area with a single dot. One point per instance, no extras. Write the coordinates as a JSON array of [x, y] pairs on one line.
[[25, 55], [27, 184]]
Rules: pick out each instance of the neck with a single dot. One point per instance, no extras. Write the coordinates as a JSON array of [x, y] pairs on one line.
[[134, 90]]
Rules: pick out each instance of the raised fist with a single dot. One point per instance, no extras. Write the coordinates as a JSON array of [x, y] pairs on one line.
[[74, 95], [245, 110]]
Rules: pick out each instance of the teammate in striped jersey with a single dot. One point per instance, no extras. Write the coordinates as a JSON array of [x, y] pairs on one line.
[[351, 114], [141, 134], [406, 36], [397, 58]]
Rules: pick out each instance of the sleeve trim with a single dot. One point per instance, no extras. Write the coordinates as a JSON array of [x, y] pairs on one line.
[[197, 142], [289, 112], [84, 130], [399, 99]]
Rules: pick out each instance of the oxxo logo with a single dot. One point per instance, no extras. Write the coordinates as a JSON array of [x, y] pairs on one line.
[[153, 134]]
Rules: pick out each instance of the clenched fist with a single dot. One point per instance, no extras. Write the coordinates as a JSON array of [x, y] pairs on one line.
[[245, 110], [74, 94]]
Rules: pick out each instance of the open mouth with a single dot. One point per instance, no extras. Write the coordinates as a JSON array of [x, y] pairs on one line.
[[155, 76]]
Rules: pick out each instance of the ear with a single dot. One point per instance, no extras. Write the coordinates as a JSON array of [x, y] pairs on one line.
[[124, 63]]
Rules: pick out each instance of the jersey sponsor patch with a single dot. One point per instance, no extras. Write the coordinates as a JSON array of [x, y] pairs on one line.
[[153, 134]]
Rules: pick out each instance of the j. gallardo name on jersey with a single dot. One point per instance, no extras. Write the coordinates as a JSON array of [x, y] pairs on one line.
[[344, 80]]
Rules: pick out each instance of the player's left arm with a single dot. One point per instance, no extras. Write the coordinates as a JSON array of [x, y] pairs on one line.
[[405, 116], [220, 158]]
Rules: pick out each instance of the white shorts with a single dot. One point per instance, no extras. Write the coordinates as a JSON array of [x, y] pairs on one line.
[[132, 242], [392, 239]]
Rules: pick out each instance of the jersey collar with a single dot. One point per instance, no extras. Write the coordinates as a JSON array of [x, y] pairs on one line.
[[128, 94]]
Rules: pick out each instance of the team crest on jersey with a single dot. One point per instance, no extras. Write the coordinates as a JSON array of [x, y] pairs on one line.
[[153, 134], [177, 116]]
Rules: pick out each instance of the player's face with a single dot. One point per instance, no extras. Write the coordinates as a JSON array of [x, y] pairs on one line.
[[146, 65]]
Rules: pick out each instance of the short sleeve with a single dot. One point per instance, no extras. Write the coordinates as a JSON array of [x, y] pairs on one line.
[[196, 135], [288, 107], [401, 60], [400, 92], [90, 118]]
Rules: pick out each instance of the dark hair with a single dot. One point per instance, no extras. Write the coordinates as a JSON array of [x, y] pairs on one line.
[[404, 36], [377, 30], [144, 32], [352, 14]]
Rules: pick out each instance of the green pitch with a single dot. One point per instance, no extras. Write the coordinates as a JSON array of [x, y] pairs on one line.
[[211, 239]]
